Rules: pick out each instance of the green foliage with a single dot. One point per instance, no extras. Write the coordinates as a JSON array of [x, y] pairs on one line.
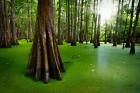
[[21, 7]]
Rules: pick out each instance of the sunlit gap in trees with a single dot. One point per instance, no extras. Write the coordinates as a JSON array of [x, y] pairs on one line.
[[107, 9]]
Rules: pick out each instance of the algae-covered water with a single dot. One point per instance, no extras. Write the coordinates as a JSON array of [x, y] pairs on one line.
[[104, 70]]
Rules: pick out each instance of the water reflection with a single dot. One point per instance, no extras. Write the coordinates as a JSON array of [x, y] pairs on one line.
[[102, 65]]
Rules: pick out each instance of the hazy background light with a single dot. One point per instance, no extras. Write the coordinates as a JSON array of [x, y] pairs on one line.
[[107, 10]]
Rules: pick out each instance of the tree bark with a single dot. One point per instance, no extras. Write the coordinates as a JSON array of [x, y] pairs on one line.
[[5, 35], [59, 26], [132, 48], [95, 25], [0, 19], [81, 23], [14, 39], [69, 31], [106, 28], [126, 23], [95, 32], [29, 18], [86, 21], [73, 43], [45, 60], [71, 20], [98, 30], [91, 40], [115, 38], [130, 26]]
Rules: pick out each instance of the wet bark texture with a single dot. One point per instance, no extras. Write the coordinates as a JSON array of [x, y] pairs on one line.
[[45, 60], [4, 25]]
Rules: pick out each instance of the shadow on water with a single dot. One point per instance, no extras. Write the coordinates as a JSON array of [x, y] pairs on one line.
[[67, 64]]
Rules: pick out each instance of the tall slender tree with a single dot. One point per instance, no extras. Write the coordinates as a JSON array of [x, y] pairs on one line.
[[91, 40], [59, 26], [81, 23], [133, 35], [0, 19], [130, 25], [86, 20], [71, 19], [106, 28], [95, 24], [14, 40], [126, 23], [29, 18], [117, 25], [73, 43], [68, 22], [99, 25], [119, 39]]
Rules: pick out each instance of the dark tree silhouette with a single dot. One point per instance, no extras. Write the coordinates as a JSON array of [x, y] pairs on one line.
[[133, 36], [81, 23], [4, 25], [130, 26]]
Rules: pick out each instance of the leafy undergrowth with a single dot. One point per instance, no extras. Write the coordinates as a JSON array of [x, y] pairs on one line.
[[104, 70]]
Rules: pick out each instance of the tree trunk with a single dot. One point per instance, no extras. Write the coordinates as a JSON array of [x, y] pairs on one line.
[[78, 22], [126, 23], [68, 12], [91, 40], [130, 26], [59, 27], [106, 28], [71, 20], [0, 20], [29, 27], [14, 40], [95, 32], [45, 60], [132, 48], [99, 24], [86, 22], [116, 35], [119, 41], [4, 33], [98, 30], [73, 43], [95, 25], [81, 23]]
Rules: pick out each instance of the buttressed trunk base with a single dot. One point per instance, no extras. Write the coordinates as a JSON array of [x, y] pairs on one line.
[[45, 60]]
